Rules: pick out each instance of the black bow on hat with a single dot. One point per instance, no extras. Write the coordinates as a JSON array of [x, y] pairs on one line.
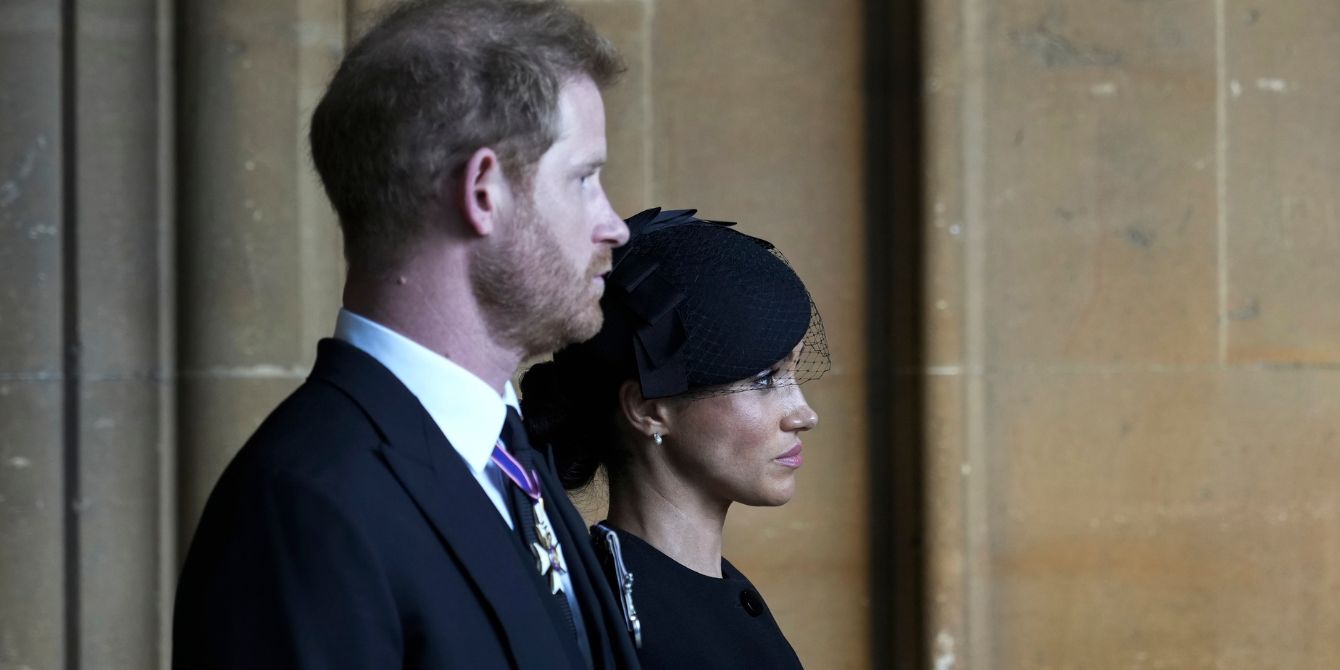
[[659, 336]]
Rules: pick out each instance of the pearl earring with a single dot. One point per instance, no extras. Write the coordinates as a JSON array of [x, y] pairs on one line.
[[656, 437]]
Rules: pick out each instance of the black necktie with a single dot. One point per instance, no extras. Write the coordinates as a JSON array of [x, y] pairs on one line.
[[518, 444]]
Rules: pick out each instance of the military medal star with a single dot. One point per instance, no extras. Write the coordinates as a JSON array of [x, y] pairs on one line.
[[548, 555]]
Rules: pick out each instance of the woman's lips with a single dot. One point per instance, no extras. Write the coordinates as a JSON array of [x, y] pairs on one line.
[[792, 458]]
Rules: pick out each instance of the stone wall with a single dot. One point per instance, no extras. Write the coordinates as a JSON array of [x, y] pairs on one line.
[[1131, 375], [168, 262]]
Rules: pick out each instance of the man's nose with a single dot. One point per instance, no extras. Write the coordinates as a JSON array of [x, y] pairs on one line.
[[611, 229]]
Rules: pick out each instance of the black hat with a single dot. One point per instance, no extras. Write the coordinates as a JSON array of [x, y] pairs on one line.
[[692, 306]]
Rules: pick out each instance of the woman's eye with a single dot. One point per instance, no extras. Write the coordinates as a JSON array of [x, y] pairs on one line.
[[766, 380]]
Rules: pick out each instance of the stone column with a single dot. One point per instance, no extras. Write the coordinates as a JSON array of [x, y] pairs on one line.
[[260, 269], [124, 499], [31, 335]]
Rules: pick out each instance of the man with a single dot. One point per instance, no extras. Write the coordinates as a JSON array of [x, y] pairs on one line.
[[390, 513]]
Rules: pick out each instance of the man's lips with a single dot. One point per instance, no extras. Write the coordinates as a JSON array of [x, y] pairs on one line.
[[792, 458]]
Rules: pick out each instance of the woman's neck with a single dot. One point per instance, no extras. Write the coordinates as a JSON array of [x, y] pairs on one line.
[[675, 519]]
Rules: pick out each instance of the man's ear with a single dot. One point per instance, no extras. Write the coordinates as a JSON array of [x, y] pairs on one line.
[[647, 417], [484, 189]]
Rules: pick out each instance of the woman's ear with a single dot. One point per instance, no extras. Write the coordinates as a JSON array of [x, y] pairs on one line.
[[648, 417]]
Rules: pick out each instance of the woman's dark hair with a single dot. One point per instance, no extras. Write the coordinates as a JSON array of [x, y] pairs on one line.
[[574, 413], [691, 307]]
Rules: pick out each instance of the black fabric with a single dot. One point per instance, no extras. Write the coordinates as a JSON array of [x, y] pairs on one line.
[[348, 533], [690, 620]]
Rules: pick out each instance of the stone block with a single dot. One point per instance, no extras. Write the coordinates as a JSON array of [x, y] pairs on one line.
[[258, 285], [945, 204], [1283, 238], [120, 255], [1098, 184], [757, 115], [121, 523], [32, 524], [30, 188], [947, 476], [1144, 517]]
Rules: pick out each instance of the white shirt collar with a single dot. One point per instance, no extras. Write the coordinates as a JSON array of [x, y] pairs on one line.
[[469, 412]]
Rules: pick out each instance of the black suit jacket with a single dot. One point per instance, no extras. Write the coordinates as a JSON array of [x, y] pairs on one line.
[[348, 533]]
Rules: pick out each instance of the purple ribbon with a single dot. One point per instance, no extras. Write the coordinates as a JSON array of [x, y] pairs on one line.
[[524, 480]]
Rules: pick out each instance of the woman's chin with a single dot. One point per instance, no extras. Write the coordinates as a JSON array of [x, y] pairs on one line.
[[776, 495]]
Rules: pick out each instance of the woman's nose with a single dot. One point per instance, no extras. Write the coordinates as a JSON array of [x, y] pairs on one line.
[[802, 416]]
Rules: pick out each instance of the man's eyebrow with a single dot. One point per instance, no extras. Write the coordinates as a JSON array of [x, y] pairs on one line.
[[592, 165]]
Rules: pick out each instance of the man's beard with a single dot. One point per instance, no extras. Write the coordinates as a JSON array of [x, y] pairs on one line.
[[530, 297]]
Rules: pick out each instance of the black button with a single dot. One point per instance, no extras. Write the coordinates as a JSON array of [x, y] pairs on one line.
[[751, 602]]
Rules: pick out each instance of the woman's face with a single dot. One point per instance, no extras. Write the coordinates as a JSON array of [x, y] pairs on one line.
[[743, 446]]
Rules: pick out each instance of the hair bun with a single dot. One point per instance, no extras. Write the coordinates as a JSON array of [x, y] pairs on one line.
[[565, 409]]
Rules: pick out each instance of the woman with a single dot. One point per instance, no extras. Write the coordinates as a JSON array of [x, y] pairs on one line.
[[689, 399]]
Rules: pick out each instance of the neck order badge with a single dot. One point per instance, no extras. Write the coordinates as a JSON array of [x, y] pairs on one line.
[[548, 555]]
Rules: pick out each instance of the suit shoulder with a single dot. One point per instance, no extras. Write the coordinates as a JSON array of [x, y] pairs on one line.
[[317, 428]]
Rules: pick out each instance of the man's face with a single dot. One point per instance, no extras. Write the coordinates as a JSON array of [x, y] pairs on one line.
[[542, 279]]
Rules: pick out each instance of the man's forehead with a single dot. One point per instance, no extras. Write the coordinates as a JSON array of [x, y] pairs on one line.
[[581, 123]]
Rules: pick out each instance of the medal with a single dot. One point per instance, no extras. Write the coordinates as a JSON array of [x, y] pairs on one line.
[[548, 554]]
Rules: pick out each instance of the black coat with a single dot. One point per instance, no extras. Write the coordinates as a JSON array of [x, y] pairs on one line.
[[691, 620], [348, 533]]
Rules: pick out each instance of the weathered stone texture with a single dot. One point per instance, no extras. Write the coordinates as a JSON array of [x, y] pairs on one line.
[[1280, 208], [31, 212], [1145, 189]]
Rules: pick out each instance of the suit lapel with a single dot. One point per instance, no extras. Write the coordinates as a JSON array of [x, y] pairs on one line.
[[442, 487]]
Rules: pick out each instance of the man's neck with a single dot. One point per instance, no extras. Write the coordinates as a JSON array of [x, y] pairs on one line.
[[439, 312]]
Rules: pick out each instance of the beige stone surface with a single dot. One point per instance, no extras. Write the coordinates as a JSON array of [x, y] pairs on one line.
[[628, 104], [125, 392], [255, 291], [1098, 198], [120, 530], [946, 477], [30, 188], [1151, 519], [945, 207], [1146, 221], [32, 606], [1281, 130], [259, 252]]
